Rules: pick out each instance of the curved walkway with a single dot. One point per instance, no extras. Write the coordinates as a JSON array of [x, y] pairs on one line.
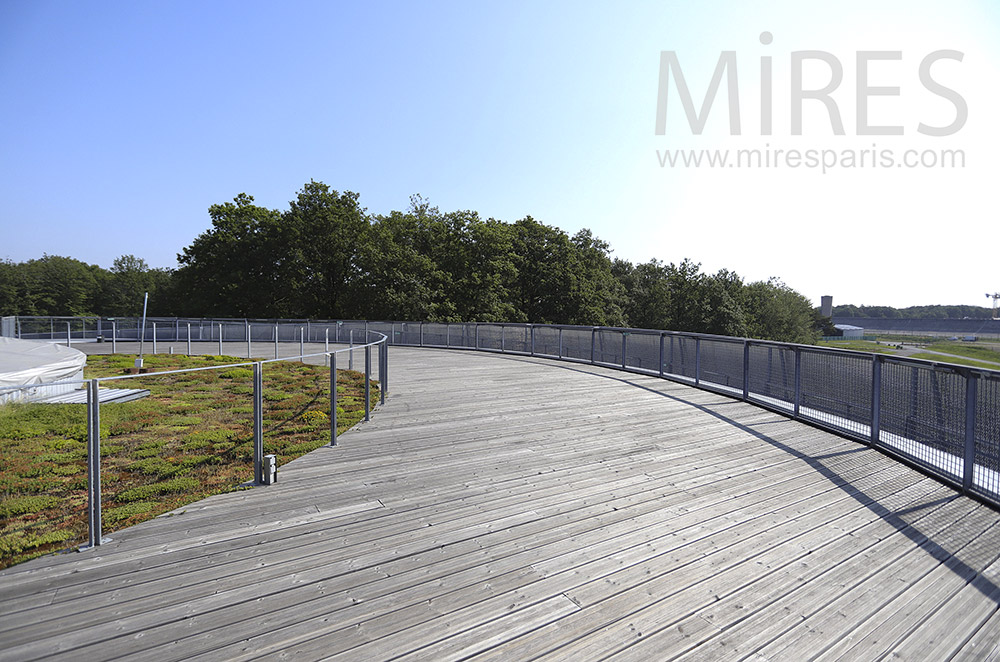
[[511, 508]]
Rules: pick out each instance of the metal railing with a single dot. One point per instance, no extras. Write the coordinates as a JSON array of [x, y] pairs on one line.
[[940, 417], [93, 405]]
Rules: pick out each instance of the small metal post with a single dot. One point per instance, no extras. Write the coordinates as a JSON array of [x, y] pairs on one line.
[[302, 341], [531, 329], [275, 341], [385, 375], [154, 337], [220, 354], [366, 331], [421, 334], [350, 351], [338, 332], [368, 377], [971, 384], [383, 357], [69, 336], [798, 382], [662, 335], [697, 361], [477, 335], [177, 329], [876, 398], [326, 342], [593, 344], [94, 463], [746, 370], [52, 329], [560, 343], [624, 347], [249, 350], [309, 333], [189, 338], [447, 334], [114, 337], [333, 399], [258, 422]]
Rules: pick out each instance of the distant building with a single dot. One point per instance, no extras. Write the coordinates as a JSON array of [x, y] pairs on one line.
[[850, 331], [826, 306]]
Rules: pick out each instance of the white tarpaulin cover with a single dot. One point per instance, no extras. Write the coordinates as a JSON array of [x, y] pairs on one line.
[[34, 362]]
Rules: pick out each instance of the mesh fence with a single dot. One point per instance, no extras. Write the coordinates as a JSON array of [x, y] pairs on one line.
[[836, 390], [721, 364], [642, 351], [547, 341], [577, 343], [986, 480], [679, 356], [608, 347], [771, 375], [923, 415]]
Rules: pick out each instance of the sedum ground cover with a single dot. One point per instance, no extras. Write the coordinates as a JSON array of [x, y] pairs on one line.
[[192, 437]]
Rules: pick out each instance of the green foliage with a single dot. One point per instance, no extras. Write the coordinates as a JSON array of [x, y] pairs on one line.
[[145, 492], [22, 505], [236, 373]]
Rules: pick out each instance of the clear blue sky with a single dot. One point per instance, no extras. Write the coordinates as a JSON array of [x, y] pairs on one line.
[[121, 122]]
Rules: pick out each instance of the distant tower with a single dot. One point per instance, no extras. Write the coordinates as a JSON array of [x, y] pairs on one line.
[[826, 306]]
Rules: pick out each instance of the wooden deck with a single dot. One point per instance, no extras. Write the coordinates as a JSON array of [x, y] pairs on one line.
[[510, 508]]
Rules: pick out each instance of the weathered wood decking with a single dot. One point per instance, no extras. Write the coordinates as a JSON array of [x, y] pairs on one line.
[[505, 508]]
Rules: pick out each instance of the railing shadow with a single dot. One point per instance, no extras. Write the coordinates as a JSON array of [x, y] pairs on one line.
[[971, 542]]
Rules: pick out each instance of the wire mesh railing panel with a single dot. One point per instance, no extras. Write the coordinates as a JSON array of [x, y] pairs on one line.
[[923, 415], [642, 351], [547, 341], [435, 334], [771, 375], [576, 343], [986, 476], [516, 338], [490, 336], [836, 390], [679, 356], [608, 347], [409, 333], [721, 364]]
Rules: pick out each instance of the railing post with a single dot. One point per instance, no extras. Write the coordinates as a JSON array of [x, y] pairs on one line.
[[662, 335], [593, 344], [302, 341], [154, 337], [447, 334], [326, 342], [94, 463], [114, 337], [531, 328], [876, 398], [798, 382], [333, 399], [220, 350], [624, 347], [275, 341], [971, 386], [503, 333], [697, 361], [258, 423], [383, 368], [560, 343], [249, 350], [368, 378], [421, 325], [350, 352], [746, 369], [189, 338], [477, 335]]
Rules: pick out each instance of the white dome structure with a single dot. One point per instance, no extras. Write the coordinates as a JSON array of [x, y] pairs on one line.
[[30, 363]]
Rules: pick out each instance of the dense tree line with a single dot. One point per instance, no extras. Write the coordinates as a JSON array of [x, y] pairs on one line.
[[325, 257], [914, 312], [54, 285]]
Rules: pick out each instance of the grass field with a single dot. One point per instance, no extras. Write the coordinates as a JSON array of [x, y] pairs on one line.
[[192, 437], [979, 354]]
